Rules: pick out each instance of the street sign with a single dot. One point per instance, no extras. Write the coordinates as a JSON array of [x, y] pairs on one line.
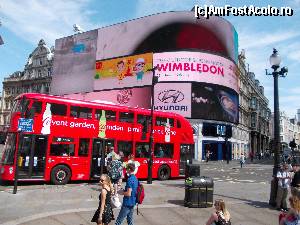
[[25, 125]]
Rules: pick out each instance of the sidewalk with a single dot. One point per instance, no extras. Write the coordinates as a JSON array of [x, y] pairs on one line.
[[75, 205]]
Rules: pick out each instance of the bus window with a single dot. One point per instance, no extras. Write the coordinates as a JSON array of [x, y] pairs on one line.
[[162, 121], [109, 115], [37, 106], [141, 150], [58, 149], [126, 117], [81, 112], [163, 150], [58, 109], [125, 147], [9, 150], [83, 146], [178, 124]]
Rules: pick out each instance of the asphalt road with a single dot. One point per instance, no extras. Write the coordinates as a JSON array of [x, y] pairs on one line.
[[246, 192]]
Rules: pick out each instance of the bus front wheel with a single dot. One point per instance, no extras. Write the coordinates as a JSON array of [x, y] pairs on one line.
[[60, 175], [164, 172]]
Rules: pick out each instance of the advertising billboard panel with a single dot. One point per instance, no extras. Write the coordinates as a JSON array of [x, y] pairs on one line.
[[74, 63], [133, 97], [173, 97], [129, 71], [214, 102], [169, 31], [195, 66]]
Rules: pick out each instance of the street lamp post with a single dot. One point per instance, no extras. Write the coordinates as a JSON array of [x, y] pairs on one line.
[[275, 61], [150, 160]]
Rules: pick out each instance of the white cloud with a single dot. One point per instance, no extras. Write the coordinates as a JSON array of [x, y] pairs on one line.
[[261, 39], [33, 20]]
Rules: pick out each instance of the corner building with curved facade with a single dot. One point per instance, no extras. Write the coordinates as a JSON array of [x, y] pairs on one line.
[[195, 61]]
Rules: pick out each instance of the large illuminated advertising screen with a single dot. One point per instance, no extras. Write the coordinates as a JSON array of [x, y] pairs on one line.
[[214, 102], [76, 55], [202, 67], [129, 71], [74, 63]]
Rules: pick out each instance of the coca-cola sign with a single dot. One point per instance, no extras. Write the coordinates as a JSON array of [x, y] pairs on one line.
[[170, 96]]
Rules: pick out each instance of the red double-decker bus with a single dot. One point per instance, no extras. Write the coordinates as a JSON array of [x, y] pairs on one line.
[[57, 139]]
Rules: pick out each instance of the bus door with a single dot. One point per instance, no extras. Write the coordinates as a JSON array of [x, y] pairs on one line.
[[32, 156], [186, 156], [100, 148]]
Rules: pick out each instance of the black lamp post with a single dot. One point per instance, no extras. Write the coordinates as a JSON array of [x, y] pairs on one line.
[[150, 160], [275, 65]]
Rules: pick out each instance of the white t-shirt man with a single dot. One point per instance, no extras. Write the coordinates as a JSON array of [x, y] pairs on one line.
[[283, 179]]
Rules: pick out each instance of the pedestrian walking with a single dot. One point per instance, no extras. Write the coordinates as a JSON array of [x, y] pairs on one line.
[[207, 155], [242, 160], [104, 213], [115, 173], [130, 194], [284, 178], [221, 216]]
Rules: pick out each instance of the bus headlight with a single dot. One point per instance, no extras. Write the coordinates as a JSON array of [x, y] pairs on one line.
[[2, 170]]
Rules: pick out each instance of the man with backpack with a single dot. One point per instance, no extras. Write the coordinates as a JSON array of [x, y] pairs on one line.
[[130, 196]]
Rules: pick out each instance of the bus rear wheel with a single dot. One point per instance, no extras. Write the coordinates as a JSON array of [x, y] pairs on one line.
[[60, 175], [164, 172]]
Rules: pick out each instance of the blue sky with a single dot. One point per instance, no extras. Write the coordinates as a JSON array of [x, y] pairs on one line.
[[24, 23]]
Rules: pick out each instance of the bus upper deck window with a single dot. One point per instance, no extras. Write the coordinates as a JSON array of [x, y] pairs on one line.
[[126, 117], [109, 114], [58, 109], [178, 124], [162, 121]]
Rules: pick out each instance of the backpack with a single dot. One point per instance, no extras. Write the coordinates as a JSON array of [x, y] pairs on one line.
[[115, 171], [140, 195]]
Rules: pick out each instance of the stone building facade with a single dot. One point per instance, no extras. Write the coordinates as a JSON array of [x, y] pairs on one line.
[[289, 130], [252, 134], [36, 77]]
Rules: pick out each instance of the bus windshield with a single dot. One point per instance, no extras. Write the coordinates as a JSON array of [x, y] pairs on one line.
[[9, 150], [20, 105]]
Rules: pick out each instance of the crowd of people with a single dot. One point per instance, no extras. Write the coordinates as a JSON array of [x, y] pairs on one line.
[[288, 178], [117, 169]]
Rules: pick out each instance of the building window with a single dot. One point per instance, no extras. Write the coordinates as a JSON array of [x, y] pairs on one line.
[[41, 62], [39, 73], [253, 103], [49, 72]]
